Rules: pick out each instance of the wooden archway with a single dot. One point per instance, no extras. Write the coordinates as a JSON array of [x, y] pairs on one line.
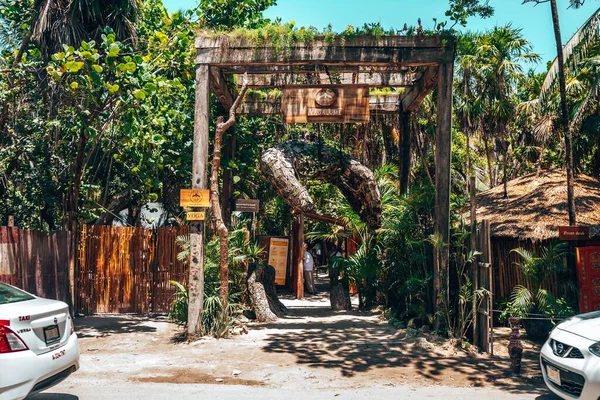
[[420, 64]]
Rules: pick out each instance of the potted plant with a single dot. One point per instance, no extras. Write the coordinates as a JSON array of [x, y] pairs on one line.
[[535, 304]]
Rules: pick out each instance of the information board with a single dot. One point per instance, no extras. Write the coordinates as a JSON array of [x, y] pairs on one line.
[[278, 258]]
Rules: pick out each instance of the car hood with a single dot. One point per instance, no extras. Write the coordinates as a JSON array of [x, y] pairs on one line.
[[585, 325]]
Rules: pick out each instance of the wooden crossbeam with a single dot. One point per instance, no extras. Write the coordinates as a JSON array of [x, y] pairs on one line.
[[375, 79], [415, 95], [368, 51], [377, 103]]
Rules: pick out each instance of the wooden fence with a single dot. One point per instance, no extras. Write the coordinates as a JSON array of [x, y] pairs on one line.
[[507, 274], [36, 262], [120, 270], [127, 270]]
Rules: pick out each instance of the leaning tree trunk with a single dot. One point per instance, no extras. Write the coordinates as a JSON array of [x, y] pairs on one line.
[[261, 285], [217, 215], [284, 164]]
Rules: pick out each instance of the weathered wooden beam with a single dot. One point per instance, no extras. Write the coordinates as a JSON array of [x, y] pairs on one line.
[[199, 181], [415, 95], [220, 88], [377, 103], [366, 51], [297, 262], [405, 153], [374, 79], [334, 56], [443, 149]]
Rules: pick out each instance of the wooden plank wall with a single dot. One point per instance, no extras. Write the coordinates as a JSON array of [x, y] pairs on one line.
[[507, 274], [35, 261], [127, 269]]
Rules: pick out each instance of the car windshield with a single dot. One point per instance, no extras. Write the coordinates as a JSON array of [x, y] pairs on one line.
[[9, 294]]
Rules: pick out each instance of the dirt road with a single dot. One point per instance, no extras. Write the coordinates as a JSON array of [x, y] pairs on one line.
[[313, 353]]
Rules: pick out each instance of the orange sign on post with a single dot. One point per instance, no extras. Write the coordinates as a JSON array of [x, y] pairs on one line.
[[194, 198]]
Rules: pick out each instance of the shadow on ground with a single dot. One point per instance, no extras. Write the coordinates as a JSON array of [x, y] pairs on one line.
[[353, 344], [98, 325]]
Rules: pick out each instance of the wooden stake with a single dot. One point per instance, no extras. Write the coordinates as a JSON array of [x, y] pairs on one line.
[[405, 152], [443, 150], [199, 162]]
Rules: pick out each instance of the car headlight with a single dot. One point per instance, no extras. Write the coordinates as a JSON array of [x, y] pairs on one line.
[[595, 349]]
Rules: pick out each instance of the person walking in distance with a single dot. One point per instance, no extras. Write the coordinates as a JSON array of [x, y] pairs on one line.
[[309, 264]]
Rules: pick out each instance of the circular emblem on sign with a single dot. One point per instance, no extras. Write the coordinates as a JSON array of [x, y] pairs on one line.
[[196, 197], [325, 97]]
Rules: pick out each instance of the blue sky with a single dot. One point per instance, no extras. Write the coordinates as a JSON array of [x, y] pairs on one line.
[[534, 20]]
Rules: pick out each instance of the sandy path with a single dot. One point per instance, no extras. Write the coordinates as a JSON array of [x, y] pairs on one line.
[[313, 349]]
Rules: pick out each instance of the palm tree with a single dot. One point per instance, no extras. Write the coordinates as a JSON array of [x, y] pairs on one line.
[[499, 54], [582, 37]]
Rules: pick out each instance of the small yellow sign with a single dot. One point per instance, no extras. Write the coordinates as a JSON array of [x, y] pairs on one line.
[[195, 216], [194, 198]]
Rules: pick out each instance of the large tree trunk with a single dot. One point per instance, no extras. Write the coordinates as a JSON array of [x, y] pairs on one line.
[[263, 296], [564, 114], [284, 164]]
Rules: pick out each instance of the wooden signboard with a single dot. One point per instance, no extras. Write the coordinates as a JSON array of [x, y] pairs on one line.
[[278, 258], [194, 198], [325, 103], [246, 205], [195, 216], [574, 232]]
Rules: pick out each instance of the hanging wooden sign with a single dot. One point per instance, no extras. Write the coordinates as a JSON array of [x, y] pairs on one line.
[[194, 198], [246, 205], [325, 104], [574, 232]]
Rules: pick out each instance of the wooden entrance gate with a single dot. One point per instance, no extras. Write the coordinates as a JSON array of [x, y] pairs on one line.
[[127, 270]]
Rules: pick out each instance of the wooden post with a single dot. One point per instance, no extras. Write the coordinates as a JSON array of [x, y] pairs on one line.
[[199, 181], [11, 220], [404, 151], [443, 150], [474, 266], [297, 263]]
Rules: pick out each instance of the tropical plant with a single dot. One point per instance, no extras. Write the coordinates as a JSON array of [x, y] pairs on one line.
[[538, 269]]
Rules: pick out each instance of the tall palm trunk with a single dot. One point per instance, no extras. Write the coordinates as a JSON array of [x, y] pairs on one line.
[[564, 114]]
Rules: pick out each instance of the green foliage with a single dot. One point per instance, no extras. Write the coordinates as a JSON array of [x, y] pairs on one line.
[[179, 307], [538, 269], [461, 10], [228, 14]]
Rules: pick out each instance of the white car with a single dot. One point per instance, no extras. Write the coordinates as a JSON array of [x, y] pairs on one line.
[[570, 358], [38, 347]]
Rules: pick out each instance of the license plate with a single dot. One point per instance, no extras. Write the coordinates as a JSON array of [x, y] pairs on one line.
[[553, 374], [51, 334]]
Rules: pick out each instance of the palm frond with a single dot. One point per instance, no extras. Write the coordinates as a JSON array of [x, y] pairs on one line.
[[573, 52], [590, 101]]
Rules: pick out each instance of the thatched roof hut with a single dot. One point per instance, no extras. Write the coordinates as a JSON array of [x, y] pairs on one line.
[[537, 206]]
